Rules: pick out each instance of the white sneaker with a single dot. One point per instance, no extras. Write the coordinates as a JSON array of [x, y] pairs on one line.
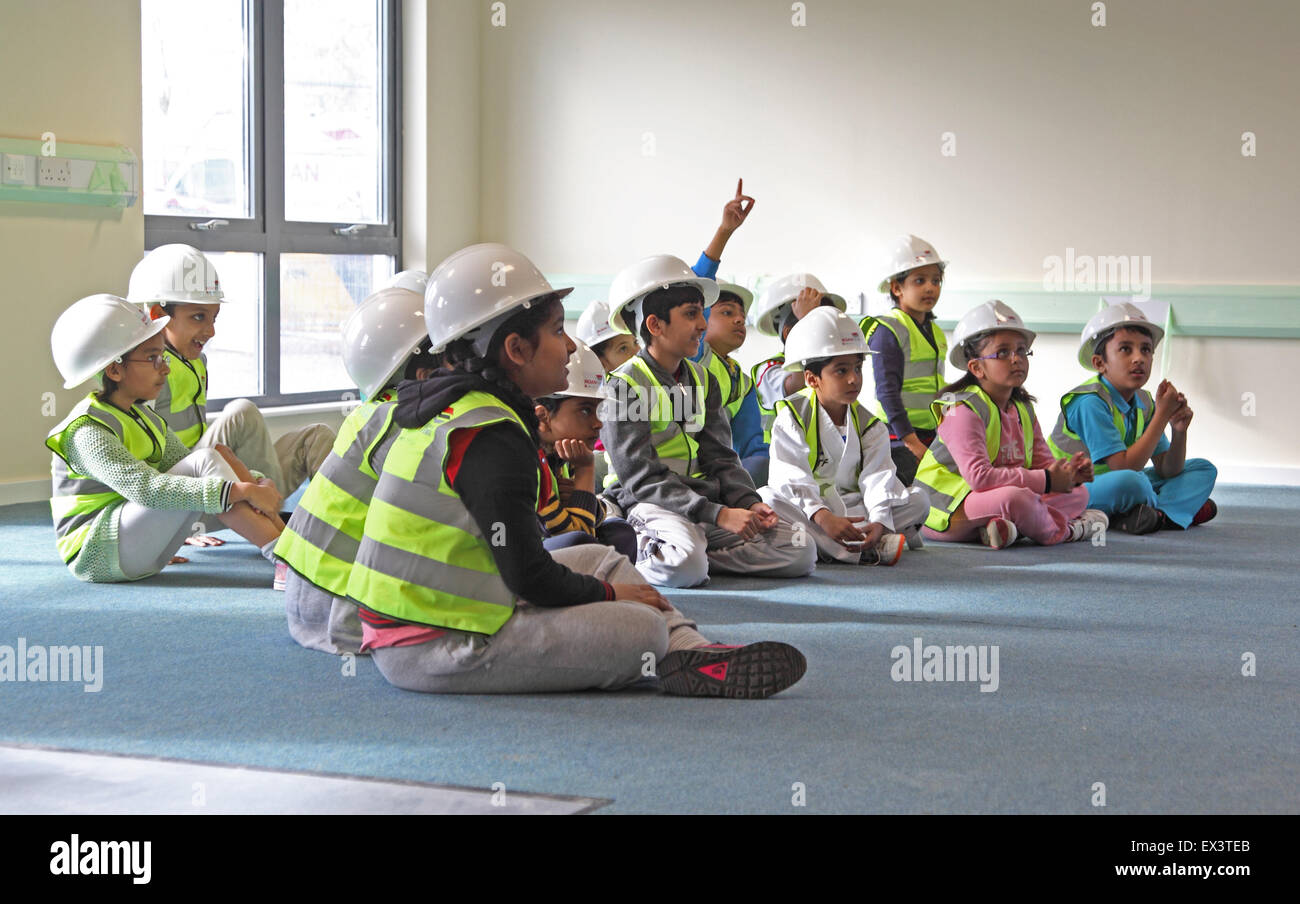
[[998, 533], [1087, 525], [887, 551]]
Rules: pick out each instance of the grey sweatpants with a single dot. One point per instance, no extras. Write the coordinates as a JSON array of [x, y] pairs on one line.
[[147, 538], [318, 620], [907, 514], [288, 461], [604, 645], [674, 551]]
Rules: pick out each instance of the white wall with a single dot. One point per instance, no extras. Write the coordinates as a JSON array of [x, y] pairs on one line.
[[611, 130]]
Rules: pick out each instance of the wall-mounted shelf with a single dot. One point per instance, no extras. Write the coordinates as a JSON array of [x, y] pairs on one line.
[[84, 174]]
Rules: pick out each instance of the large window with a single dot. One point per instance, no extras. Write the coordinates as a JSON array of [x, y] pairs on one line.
[[271, 144]]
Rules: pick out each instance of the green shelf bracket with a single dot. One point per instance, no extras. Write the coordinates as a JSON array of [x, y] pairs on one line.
[[62, 172]]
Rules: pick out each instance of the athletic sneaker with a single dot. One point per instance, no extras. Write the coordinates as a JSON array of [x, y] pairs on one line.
[[281, 575], [751, 672], [1087, 525], [999, 532], [1141, 519], [914, 540], [887, 551], [1205, 512]]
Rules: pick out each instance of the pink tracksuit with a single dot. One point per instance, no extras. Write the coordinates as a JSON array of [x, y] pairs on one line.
[[1004, 488]]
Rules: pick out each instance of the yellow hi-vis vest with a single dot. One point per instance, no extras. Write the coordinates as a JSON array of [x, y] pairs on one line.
[[641, 396], [767, 416], [806, 410], [1064, 442], [733, 382], [320, 541], [938, 473], [422, 558], [923, 378], [77, 499], [183, 402]]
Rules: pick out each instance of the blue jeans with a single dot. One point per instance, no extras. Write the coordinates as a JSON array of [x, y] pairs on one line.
[[1179, 497]]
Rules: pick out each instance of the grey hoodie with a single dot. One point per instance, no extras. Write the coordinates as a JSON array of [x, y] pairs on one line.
[[643, 478]]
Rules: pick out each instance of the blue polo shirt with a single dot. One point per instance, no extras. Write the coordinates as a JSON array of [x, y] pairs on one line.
[[1089, 417]]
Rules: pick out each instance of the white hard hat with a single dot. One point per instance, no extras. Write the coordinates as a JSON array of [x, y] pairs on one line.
[[586, 375], [990, 317], [824, 333], [746, 297], [907, 252], [773, 305], [593, 324], [96, 331], [659, 271], [477, 289], [412, 280], [380, 335], [174, 273], [1111, 319]]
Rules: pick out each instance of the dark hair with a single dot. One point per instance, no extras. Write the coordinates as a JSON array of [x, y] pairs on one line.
[[901, 277], [421, 357], [552, 403], [972, 349], [1099, 344], [527, 322], [108, 384], [817, 365], [726, 295], [660, 303]]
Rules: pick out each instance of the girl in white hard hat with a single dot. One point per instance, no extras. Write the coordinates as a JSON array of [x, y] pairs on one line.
[[127, 492], [457, 592], [568, 424], [1122, 427], [384, 342], [831, 468], [179, 282], [989, 471], [909, 350]]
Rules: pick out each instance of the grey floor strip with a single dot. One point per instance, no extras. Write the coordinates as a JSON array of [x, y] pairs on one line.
[[40, 780]]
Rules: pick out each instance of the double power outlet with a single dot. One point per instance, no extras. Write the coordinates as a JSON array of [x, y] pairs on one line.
[[41, 172]]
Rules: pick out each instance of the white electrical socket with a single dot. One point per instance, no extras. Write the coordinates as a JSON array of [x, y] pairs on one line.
[[19, 169], [53, 172]]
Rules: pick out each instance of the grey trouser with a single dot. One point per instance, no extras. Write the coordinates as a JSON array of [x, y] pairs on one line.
[[318, 620], [674, 551], [288, 461], [147, 538], [605, 645]]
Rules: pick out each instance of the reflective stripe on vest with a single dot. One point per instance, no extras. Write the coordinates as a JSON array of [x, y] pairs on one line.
[[923, 378], [938, 472], [806, 410], [1064, 442], [323, 535], [77, 499], [183, 402], [422, 558], [767, 416], [672, 439]]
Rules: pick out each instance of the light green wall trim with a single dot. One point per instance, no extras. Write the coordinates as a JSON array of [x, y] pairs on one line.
[[1265, 311], [1261, 312], [101, 175]]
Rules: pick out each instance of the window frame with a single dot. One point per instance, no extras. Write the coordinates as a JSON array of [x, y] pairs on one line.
[[267, 232]]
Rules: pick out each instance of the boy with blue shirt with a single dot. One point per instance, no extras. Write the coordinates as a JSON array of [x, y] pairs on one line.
[[1121, 427]]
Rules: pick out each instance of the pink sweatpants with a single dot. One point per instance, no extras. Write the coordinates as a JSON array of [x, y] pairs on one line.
[[1043, 519]]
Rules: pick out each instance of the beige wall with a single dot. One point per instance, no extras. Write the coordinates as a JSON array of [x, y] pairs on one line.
[[71, 67], [612, 130]]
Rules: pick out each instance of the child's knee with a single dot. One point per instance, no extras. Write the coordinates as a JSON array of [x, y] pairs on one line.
[[1019, 502], [211, 463], [242, 408], [1130, 488]]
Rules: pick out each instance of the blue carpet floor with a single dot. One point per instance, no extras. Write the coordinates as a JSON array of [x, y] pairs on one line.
[[1118, 664]]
